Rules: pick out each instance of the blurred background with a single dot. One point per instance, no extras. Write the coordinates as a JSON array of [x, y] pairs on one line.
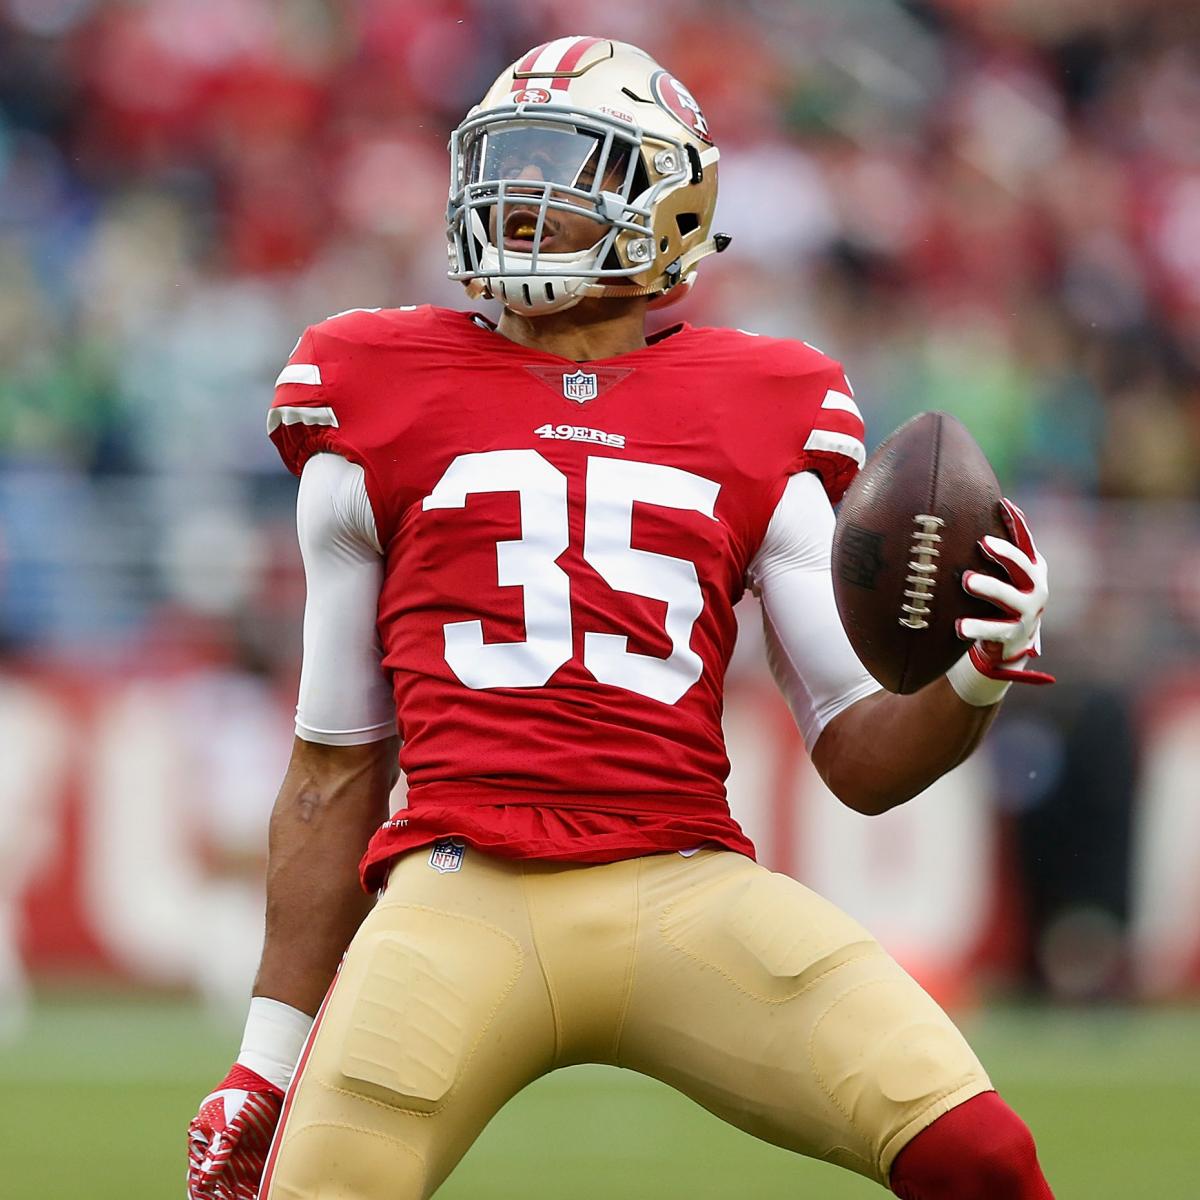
[[986, 206]]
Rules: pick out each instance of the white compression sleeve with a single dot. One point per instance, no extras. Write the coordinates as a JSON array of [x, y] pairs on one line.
[[810, 656], [345, 697]]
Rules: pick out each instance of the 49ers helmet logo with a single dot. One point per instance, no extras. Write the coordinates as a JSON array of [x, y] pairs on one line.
[[680, 103], [532, 96]]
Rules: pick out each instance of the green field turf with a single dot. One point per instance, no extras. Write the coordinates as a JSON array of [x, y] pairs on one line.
[[94, 1101]]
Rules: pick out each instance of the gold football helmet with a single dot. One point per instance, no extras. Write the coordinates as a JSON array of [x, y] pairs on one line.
[[593, 127]]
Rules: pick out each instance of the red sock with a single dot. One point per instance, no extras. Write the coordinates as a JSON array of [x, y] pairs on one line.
[[980, 1150]]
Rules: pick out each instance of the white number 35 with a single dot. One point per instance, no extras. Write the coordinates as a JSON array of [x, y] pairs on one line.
[[530, 562]]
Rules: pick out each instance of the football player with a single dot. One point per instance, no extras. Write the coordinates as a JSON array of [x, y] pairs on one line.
[[523, 543]]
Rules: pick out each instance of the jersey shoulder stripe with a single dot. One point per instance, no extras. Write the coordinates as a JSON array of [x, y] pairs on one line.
[[326, 352], [286, 414], [306, 373], [302, 418], [828, 442], [812, 388], [838, 428]]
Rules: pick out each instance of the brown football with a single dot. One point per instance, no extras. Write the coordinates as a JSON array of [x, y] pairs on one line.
[[908, 528]]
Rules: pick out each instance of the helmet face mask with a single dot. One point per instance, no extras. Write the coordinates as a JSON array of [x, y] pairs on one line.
[[561, 151], [557, 161]]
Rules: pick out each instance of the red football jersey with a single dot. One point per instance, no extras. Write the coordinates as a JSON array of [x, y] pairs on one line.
[[564, 544]]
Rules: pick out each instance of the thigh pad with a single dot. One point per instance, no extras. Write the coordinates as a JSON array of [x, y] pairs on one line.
[[768, 935], [430, 984]]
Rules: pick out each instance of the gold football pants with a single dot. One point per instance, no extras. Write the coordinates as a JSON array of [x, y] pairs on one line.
[[739, 987]]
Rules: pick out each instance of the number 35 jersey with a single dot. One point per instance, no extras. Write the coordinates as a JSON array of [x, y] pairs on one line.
[[564, 544]]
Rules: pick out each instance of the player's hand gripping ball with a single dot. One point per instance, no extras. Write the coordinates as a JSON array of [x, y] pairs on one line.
[[922, 560], [228, 1139], [1001, 646]]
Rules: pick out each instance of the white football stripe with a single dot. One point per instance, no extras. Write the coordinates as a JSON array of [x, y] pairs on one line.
[[841, 402], [837, 443], [308, 373], [290, 415]]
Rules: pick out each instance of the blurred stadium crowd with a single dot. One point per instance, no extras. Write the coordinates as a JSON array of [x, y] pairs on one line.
[[993, 208], [988, 207]]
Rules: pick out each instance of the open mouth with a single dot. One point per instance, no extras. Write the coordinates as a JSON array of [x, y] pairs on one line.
[[520, 231]]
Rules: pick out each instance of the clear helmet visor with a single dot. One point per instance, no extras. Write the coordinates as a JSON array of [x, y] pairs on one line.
[[534, 153]]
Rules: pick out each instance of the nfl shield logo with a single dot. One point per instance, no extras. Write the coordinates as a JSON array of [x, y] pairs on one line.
[[580, 387], [446, 856]]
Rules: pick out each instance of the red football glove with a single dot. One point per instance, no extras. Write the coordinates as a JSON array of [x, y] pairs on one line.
[[1002, 646], [228, 1139]]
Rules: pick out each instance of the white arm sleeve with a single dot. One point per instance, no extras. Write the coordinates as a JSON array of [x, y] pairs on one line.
[[807, 648], [345, 696]]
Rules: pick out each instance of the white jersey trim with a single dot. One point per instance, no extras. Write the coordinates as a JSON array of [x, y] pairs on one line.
[[308, 373], [837, 443], [302, 415], [841, 403]]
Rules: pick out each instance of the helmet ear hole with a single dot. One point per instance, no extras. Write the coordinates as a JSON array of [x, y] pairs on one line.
[[686, 223]]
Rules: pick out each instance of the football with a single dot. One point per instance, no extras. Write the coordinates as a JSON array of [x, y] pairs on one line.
[[908, 528]]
